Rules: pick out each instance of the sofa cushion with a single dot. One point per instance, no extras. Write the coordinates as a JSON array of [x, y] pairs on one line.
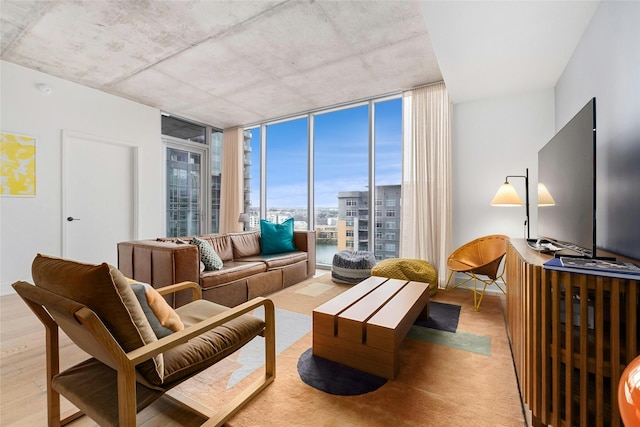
[[221, 243], [104, 290], [232, 271], [276, 238], [245, 244], [274, 261], [208, 256]]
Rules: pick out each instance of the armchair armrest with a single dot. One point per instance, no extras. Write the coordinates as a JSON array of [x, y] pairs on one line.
[[196, 291], [126, 362], [148, 351]]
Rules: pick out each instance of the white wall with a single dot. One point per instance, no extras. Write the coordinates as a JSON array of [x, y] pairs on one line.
[[606, 64], [34, 225], [493, 138]]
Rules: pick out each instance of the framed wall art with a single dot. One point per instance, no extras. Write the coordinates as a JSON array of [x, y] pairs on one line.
[[17, 165]]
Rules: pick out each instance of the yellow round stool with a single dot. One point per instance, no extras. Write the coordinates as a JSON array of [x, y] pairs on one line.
[[417, 270]]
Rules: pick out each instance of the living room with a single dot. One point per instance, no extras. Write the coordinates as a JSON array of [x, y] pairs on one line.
[[494, 133]]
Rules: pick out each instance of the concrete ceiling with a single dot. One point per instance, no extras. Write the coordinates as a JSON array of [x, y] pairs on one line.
[[229, 63]]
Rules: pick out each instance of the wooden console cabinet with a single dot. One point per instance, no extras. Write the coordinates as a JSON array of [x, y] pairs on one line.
[[572, 336]]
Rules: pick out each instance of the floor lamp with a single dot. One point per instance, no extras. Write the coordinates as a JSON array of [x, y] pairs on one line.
[[244, 219], [508, 196]]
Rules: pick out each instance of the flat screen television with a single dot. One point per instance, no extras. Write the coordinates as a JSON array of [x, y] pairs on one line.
[[567, 167]]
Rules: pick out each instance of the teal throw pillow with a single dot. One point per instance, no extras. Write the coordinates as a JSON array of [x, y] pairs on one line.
[[276, 238], [208, 255]]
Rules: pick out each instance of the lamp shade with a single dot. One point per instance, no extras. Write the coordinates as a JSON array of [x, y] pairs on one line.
[[244, 217], [544, 197], [506, 196]]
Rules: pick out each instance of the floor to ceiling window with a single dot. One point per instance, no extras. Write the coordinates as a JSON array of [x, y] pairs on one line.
[[193, 165], [254, 172], [341, 181], [286, 172], [184, 192], [216, 178], [353, 148], [388, 177]]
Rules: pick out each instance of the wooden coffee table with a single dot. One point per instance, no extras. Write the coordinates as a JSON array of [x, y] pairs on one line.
[[364, 326]]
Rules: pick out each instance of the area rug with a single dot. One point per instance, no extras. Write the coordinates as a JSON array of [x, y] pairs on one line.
[[434, 382], [442, 316], [335, 378], [338, 379]]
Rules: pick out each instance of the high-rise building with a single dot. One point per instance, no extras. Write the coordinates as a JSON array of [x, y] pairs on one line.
[[354, 221]]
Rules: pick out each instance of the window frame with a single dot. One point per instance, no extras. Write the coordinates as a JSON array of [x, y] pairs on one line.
[[170, 142], [372, 202]]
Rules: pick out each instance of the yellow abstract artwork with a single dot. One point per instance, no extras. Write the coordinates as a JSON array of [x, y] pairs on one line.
[[17, 165]]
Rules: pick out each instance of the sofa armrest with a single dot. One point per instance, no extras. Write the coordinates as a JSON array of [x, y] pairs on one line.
[[159, 263], [306, 241]]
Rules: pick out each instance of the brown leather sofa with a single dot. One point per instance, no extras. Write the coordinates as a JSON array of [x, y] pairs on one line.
[[245, 273]]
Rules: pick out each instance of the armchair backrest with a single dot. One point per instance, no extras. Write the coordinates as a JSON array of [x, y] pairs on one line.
[[56, 311], [481, 256], [106, 292], [491, 249]]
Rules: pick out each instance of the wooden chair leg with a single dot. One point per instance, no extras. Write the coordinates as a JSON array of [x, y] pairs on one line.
[[127, 409]]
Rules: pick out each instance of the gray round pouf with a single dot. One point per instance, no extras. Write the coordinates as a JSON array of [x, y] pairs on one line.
[[352, 266]]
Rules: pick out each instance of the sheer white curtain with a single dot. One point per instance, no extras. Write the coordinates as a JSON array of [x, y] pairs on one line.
[[231, 182], [426, 177]]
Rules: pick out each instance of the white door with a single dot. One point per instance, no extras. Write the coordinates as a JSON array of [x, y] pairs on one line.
[[99, 196]]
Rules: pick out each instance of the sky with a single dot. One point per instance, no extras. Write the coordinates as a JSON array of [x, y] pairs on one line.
[[340, 155]]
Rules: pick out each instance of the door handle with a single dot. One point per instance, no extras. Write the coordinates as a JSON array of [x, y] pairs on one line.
[[70, 218]]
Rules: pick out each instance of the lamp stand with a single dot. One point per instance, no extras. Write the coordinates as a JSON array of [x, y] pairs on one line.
[[526, 189]]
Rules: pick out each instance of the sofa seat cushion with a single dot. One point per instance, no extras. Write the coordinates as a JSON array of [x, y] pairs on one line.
[[231, 271], [281, 260], [206, 349]]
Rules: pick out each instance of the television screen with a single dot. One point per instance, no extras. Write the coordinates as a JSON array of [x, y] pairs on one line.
[[567, 167]]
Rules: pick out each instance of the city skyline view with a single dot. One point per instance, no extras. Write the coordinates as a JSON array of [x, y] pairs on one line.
[[341, 155]]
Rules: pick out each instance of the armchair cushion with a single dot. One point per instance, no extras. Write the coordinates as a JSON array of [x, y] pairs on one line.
[[103, 289], [163, 319], [210, 347]]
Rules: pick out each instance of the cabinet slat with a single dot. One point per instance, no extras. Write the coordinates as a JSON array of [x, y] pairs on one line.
[[572, 335]]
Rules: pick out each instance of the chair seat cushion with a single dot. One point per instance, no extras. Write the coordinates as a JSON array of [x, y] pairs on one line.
[[92, 381], [207, 349]]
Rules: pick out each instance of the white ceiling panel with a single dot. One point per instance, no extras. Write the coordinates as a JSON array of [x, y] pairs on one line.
[[487, 49]]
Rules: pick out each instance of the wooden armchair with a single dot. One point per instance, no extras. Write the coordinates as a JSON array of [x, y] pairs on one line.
[[130, 367]]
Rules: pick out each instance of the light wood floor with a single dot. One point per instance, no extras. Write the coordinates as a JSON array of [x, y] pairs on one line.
[[22, 374]]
